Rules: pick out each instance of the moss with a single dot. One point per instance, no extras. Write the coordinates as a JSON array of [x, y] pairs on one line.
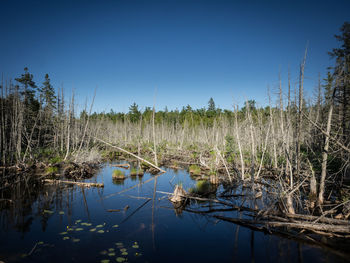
[[194, 169], [118, 174]]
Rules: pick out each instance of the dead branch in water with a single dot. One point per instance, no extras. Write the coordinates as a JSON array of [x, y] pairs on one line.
[[134, 155], [72, 182]]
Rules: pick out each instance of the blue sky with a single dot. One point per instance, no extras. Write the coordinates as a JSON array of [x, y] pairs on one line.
[[172, 52]]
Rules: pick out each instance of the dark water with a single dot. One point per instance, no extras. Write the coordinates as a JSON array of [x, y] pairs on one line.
[[149, 231]]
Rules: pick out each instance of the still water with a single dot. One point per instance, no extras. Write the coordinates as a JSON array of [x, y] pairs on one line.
[[68, 223]]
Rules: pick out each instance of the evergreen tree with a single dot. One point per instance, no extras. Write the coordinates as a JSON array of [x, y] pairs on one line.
[[342, 77], [47, 94], [134, 113], [211, 105]]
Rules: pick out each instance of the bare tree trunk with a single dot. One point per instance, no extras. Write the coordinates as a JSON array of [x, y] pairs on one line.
[[300, 108], [325, 154], [239, 144]]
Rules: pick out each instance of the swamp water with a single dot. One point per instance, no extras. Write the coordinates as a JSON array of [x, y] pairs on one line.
[[66, 223]]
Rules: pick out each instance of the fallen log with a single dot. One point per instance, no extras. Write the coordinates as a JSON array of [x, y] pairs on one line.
[[122, 165], [72, 182]]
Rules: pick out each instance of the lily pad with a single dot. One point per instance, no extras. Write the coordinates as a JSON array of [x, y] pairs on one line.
[[65, 238], [92, 229], [98, 226], [123, 250], [115, 226], [105, 261], [40, 242], [112, 254], [79, 229], [48, 212], [103, 252], [88, 224], [135, 246], [100, 231], [120, 259], [75, 240], [61, 212], [124, 253], [111, 249], [119, 244]]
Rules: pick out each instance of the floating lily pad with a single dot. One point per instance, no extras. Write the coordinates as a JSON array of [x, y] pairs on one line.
[[65, 238], [40, 242], [79, 229], [105, 261], [119, 244], [88, 224], [124, 253], [112, 254], [115, 226], [70, 229], [111, 249], [98, 226], [120, 259], [48, 211], [135, 246], [123, 250], [92, 229], [75, 240], [103, 252], [61, 212], [100, 231]]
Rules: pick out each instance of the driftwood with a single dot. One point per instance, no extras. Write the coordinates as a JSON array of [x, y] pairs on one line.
[[123, 165], [72, 182]]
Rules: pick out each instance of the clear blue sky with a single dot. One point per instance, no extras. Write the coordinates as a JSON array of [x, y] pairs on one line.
[[186, 51]]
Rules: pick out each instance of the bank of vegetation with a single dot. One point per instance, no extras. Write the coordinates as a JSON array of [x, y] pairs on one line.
[[303, 144]]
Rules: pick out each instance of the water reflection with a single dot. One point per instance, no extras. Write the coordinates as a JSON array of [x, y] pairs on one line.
[[41, 213]]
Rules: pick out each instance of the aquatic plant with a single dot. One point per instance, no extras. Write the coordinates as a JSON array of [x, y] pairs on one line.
[[118, 174]]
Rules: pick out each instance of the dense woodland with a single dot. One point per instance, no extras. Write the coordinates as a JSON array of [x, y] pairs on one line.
[[297, 137]]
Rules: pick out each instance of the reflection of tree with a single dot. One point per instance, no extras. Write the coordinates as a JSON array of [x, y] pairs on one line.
[[28, 200]]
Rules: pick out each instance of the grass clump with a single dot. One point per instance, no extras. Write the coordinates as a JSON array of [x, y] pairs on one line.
[[194, 169], [135, 172], [119, 175]]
